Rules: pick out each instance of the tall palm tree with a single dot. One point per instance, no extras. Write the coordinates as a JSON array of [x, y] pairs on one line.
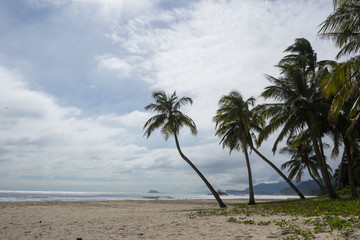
[[302, 158], [350, 146], [343, 26], [236, 124], [170, 119], [233, 123], [300, 103], [336, 85]]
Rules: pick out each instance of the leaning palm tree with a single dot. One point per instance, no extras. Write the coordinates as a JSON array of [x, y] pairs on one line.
[[300, 104], [236, 125], [170, 119]]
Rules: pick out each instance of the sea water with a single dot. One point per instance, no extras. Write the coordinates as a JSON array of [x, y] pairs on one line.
[[42, 196]]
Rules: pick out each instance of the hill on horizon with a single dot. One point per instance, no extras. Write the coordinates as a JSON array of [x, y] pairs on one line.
[[281, 188]]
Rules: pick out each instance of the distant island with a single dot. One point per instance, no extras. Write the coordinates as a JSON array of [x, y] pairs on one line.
[[153, 191], [220, 192]]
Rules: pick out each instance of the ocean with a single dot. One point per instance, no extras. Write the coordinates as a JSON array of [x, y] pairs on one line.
[[43, 196]]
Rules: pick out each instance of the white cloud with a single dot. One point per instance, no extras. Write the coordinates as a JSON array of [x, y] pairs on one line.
[[47, 3], [43, 139], [114, 63], [218, 46], [135, 119], [110, 11]]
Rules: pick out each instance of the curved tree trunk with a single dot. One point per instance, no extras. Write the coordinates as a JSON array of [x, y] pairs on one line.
[[212, 190], [323, 170], [354, 193], [318, 183], [279, 172], [322, 151], [319, 157], [338, 185], [251, 188]]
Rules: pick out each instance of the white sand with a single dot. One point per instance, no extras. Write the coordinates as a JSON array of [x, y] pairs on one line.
[[129, 220]]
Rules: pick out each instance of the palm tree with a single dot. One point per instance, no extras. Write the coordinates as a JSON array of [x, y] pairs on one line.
[[233, 125], [300, 102], [170, 119], [343, 26], [342, 84], [236, 125], [302, 157], [341, 175], [349, 140], [344, 107]]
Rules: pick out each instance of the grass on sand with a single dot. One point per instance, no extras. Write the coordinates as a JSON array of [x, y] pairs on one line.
[[302, 219]]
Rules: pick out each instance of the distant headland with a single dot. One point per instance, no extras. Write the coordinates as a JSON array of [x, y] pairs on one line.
[[153, 191]]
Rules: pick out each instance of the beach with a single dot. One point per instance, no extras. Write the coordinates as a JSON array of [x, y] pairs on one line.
[[143, 219]]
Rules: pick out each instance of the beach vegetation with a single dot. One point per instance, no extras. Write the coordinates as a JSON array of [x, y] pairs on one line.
[[261, 223], [299, 219]]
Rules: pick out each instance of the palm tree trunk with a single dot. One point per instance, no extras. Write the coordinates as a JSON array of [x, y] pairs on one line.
[[251, 188], [318, 183], [354, 193], [323, 170], [319, 157], [212, 190], [322, 150], [279, 172], [340, 171]]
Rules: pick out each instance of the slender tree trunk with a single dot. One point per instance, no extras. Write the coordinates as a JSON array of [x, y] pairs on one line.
[[279, 172], [323, 169], [319, 157], [251, 188], [318, 183], [339, 182], [354, 193], [322, 151], [323, 159], [212, 190]]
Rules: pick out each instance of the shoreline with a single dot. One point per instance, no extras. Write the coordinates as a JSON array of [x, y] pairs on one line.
[[14, 196]]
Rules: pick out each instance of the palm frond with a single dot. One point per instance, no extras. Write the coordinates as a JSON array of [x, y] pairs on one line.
[[343, 26], [170, 119]]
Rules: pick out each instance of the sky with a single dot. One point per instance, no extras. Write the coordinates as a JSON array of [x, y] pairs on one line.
[[75, 76]]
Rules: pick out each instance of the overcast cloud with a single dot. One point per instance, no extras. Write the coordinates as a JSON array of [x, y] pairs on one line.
[[75, 76]]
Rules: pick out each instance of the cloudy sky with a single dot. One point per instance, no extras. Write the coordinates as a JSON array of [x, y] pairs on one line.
[[75, 76]]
